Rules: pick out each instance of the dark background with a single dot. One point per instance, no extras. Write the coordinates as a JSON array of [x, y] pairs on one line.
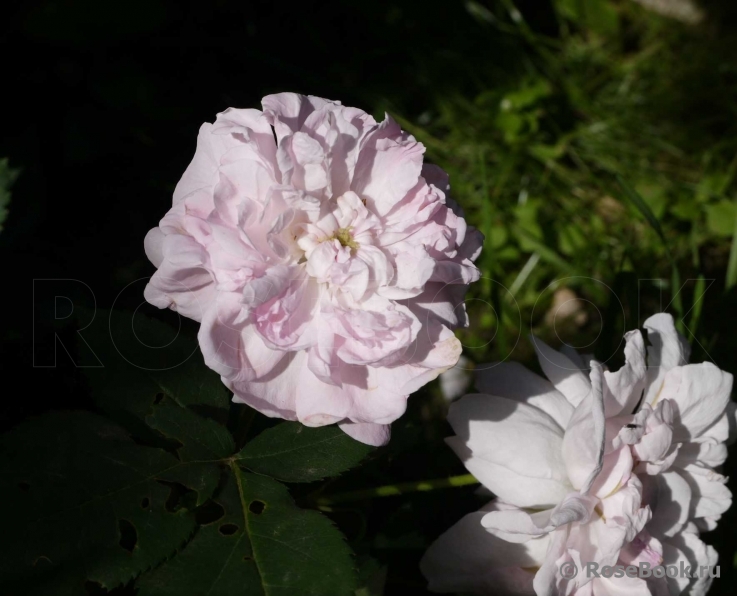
[[102, 106], [102, 103]]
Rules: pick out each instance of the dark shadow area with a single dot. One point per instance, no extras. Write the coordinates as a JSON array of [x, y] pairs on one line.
[[102, 107]]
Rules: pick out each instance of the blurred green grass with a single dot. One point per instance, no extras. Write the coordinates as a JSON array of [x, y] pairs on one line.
[[602, 172]]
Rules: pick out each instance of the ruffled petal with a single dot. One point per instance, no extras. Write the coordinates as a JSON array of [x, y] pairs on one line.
[[518, 525], [667, 349], [388, 166], [564, 374], [514, 381], [701, 393], [153, 244], [669, 496], [710, 495], [468, 559], [623, 389], [584, 440], [287, 112], [513, 448], [376, 435], [230, 346]]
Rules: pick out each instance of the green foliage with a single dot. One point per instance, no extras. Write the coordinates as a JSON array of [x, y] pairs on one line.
[[295, 453], [598, 16], [132, 360], [263, 544], [720, 217], [201, 439], [7, 177], [71, 479], [97, 502], [534, 158]]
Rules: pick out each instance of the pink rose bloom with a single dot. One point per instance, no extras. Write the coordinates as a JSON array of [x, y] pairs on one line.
[[325, 261]]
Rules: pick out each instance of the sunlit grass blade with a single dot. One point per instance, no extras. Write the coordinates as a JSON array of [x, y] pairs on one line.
[[524, 273], [487, 256], [546, 253], [731, 279], [698, 304], [644, 209], [392, 490], [677, 299]]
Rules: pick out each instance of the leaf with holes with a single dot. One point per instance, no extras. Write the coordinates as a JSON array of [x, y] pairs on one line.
[[203, 442], [295, 453], [262, 545], [86, 505], [202, 439], [143, 358]]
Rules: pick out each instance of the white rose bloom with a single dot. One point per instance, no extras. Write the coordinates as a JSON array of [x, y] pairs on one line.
[[589, 466]]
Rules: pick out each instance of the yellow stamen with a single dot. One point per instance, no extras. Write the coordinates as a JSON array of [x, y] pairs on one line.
[[343, 235]]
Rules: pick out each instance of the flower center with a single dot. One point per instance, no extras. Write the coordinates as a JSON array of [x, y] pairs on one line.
[[344, 236]]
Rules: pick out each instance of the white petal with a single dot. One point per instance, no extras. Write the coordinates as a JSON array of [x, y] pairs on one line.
[[721, 430], [667, 349], [584, 441], [701, 392], [669, 496], [546, 579], [619, 586], [287, 112], [580, 360], [707, 453], [699, 555], [468, 559], [564, 374], [656, 443], [672, 555], [615, 470], [455, 381], [413, 269], [365, 432], [711, 497], [153, 244], [201, 172], [514, 381], [518, 525], [514, 449], [624, 509], [598, 541], [623, 389]]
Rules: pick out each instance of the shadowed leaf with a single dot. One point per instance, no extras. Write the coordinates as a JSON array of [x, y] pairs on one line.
[[264, 545], [76, 485], [143, 358], [295, 453]]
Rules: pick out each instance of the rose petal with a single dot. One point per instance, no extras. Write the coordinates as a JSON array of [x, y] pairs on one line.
[[513, 448], [564, 374], [468, 559], [514, 381]]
